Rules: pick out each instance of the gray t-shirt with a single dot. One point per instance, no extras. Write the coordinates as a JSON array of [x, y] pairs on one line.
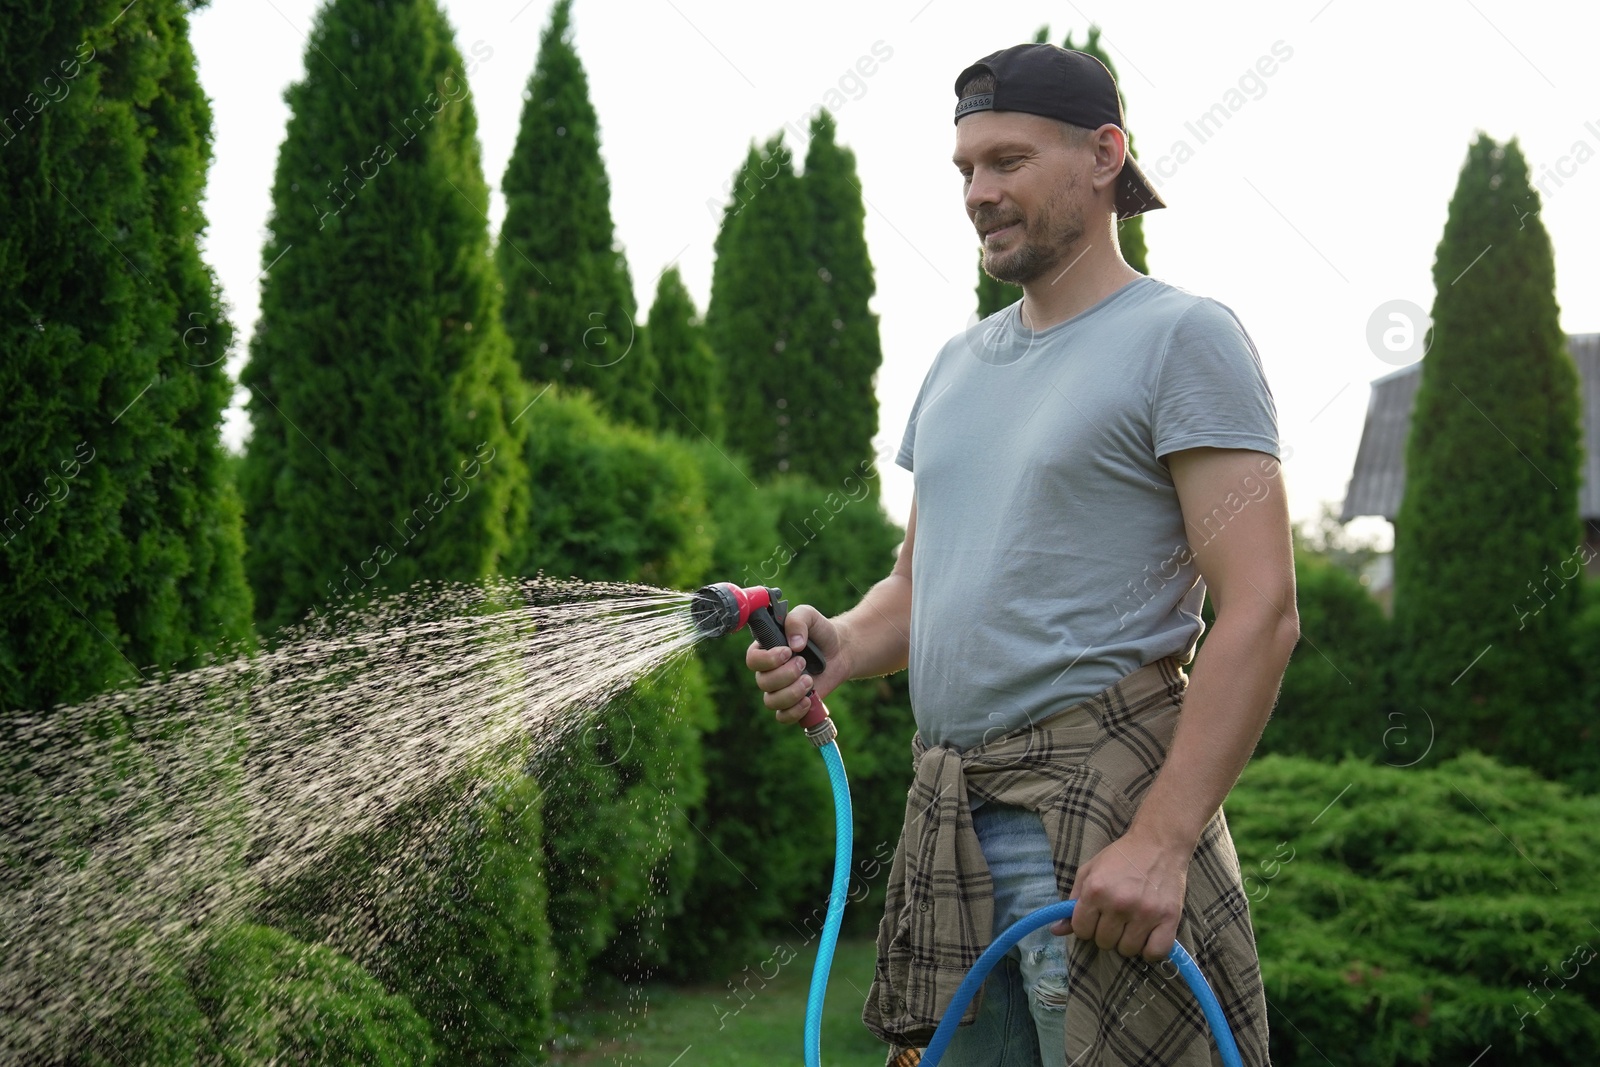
[[1051, 558]]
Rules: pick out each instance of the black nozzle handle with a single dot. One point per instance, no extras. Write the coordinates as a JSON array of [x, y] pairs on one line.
[[769, 633]]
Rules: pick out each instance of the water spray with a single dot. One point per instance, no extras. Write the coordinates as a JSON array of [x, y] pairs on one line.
[[724, 608]]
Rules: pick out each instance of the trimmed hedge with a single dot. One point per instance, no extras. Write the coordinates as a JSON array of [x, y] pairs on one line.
[[257, 995], [1334, 700], [613, 503], [1422, 916], [618, 791], [610, 502], [767, 809]]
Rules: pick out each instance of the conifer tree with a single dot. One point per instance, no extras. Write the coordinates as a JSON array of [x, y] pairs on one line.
[[385, 448], [837, 414], [569, 304], [1485, 571], [690, 399], [994, 294], [382, 386], [758, 297], [194, 482], [741, 189], [120, 537]]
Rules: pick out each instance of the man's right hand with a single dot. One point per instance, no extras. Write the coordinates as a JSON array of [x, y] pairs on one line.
[[782, 673]]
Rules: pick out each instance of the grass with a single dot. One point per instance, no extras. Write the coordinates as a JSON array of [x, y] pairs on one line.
[[709, 1026]]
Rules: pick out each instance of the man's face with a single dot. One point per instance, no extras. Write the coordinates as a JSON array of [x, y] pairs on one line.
[[1027, 191]]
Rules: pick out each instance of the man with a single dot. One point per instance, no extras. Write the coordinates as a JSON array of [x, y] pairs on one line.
[[1088, 463]]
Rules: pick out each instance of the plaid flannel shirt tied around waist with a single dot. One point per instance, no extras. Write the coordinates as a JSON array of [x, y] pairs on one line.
[[1084, 770]]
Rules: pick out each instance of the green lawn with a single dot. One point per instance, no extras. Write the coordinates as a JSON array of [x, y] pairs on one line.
[[707, 1026]]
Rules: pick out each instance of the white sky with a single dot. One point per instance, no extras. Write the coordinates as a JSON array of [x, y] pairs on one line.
[[1321, 197]]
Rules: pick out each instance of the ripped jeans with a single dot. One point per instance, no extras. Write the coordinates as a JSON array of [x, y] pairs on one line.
[[1021, 1022]]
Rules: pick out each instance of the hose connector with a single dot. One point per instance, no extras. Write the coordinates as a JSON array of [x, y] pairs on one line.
[[823, 733]]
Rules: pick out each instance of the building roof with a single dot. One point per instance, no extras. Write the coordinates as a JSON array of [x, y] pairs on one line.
[[1379, 479]]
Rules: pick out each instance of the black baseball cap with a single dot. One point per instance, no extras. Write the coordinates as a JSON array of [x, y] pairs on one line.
[[1062, 84]]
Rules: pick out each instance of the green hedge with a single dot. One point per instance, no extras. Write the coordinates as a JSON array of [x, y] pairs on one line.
[[768, 810], [1422, 916], [256, 995], [618, 790], [614, 503], [609, 502], [475, 954], [1334, 700]]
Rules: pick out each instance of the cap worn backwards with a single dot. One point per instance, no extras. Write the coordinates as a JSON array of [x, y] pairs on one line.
[[1062, 84]]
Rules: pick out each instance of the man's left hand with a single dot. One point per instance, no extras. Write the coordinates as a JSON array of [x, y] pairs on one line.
[[1130, 897]]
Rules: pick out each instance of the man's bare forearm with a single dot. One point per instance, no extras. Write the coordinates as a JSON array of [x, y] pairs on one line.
[[875, 634], [1231, 691]]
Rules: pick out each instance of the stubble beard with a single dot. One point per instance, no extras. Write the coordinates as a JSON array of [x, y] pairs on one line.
[[1059, 229]]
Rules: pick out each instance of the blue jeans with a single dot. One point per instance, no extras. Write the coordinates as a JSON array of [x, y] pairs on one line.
[[1021, 1022]]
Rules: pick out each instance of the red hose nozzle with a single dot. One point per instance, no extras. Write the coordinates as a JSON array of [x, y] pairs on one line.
[[718, 610], [723, 608]]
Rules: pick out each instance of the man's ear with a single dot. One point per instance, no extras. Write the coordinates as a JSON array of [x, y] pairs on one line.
[[1110, 151]]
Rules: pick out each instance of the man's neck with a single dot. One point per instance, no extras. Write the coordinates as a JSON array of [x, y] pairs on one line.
[[1091, 270]]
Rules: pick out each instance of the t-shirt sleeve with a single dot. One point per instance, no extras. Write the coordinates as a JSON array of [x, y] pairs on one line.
[[908, 442], [1211, 389]]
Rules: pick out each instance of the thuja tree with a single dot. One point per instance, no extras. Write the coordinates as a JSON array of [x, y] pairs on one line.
[[1488, 527], [689, 400], [382, 387], [994, 294], [120, 539], [194, 482], [759, 285], [834, 416], [384, 400], [569, 305], [117, 357]]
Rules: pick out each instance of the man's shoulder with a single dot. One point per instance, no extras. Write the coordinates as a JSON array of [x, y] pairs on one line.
[[1183, 317], [1164, 300]]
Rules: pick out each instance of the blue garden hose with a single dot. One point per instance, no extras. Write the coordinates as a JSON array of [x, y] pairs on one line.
[[1044, 917], [842, 845]]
